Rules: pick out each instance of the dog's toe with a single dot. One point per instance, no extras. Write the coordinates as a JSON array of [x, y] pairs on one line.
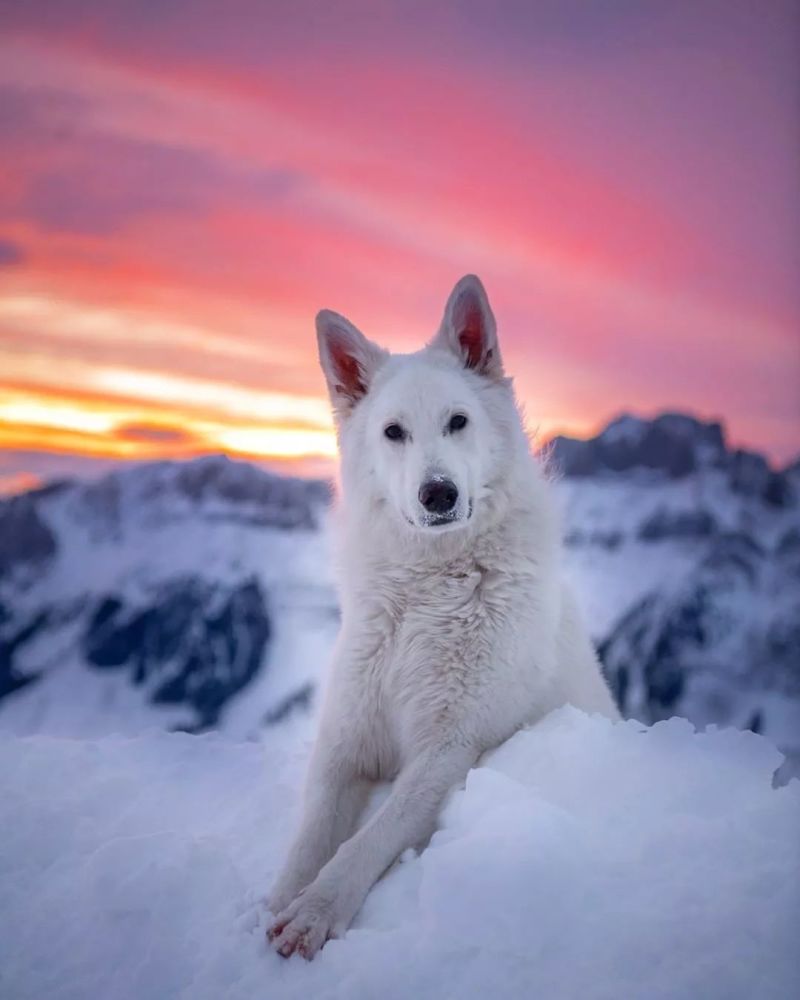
[[303, 932], [275, 930], [287, 941], [293, 939]]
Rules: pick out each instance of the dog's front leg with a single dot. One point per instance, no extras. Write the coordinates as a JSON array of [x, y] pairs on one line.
[[334, 799], [406, 819]]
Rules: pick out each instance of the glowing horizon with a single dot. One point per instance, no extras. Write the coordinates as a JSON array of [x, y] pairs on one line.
[[180, 195]]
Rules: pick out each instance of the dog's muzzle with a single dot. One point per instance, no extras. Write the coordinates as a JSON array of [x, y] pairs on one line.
[[450, 519]]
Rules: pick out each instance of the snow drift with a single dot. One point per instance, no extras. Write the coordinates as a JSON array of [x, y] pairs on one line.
[[582, 859]]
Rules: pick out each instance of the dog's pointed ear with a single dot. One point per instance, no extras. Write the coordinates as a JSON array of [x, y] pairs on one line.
[[469, 330], [348, 360]]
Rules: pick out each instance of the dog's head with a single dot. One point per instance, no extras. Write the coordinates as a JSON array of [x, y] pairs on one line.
[[423, 435]]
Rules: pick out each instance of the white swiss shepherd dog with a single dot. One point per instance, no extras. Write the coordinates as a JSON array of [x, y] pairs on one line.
[[457, 626]]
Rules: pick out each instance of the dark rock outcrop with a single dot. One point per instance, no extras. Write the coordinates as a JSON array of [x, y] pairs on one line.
[[25, 538], [686, 524], [672, 444], [190, 644]]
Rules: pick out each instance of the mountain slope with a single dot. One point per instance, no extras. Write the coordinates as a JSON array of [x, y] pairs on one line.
[[685, 555], [158, 595]]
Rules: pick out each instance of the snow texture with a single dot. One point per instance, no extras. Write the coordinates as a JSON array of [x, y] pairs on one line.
[[582, 859]]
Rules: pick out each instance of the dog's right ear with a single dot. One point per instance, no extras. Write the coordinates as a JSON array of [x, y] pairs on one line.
[[348, 359]]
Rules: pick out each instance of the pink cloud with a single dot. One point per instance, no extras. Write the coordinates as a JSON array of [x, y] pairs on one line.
[[623, 185]]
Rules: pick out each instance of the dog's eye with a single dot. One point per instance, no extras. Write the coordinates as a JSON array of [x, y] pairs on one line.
[[394, 432], [457, 422]]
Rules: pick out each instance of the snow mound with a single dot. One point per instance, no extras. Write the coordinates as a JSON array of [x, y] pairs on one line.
[[582, 859]]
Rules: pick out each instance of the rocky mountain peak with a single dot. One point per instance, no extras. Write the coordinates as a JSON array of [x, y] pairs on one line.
[[672, 446]]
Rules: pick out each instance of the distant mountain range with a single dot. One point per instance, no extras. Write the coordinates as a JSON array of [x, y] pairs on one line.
[[675, 445], [686, 554], [196, 595]]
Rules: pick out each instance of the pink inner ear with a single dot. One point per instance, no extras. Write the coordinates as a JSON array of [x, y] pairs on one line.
[[347, 369], [471, 337]]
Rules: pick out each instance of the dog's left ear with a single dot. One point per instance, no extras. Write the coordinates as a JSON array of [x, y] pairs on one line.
[[469, 329]]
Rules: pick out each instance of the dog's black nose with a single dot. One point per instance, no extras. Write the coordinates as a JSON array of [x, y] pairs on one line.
[[438, 496]]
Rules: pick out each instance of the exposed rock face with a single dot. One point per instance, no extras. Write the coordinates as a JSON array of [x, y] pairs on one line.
[[728, 632], [674, 445], [25, 539], [665, 523], [190, 643]]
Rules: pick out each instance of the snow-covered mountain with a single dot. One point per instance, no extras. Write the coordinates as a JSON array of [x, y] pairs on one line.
[[181, 595], [199, 595], [686, 554]]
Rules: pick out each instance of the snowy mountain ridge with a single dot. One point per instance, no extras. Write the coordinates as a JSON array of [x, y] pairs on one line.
[[157, 594], [675, 445], [198, 595], [686, 554]]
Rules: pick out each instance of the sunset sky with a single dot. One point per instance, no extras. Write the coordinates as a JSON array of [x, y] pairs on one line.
[[183, 184]]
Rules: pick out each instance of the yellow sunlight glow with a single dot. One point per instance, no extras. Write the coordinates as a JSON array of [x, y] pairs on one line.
[[210, 396], [46, 414], [281, 442], [42, 315], [58, 421]]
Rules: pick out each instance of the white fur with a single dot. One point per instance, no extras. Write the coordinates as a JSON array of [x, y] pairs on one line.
[[453, 636]]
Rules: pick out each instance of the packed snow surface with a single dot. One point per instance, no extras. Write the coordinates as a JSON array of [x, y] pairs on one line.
[[582, 859]]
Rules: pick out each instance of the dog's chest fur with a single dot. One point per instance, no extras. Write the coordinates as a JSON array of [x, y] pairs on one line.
[[433, 645]]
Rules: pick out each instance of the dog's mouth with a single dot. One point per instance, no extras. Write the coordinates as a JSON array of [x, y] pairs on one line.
[[440, 521]]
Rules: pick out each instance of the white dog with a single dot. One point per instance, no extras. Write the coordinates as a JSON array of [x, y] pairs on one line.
[[457, 628]]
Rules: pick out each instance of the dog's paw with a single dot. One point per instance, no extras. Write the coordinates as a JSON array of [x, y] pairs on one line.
[[306, 924]]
